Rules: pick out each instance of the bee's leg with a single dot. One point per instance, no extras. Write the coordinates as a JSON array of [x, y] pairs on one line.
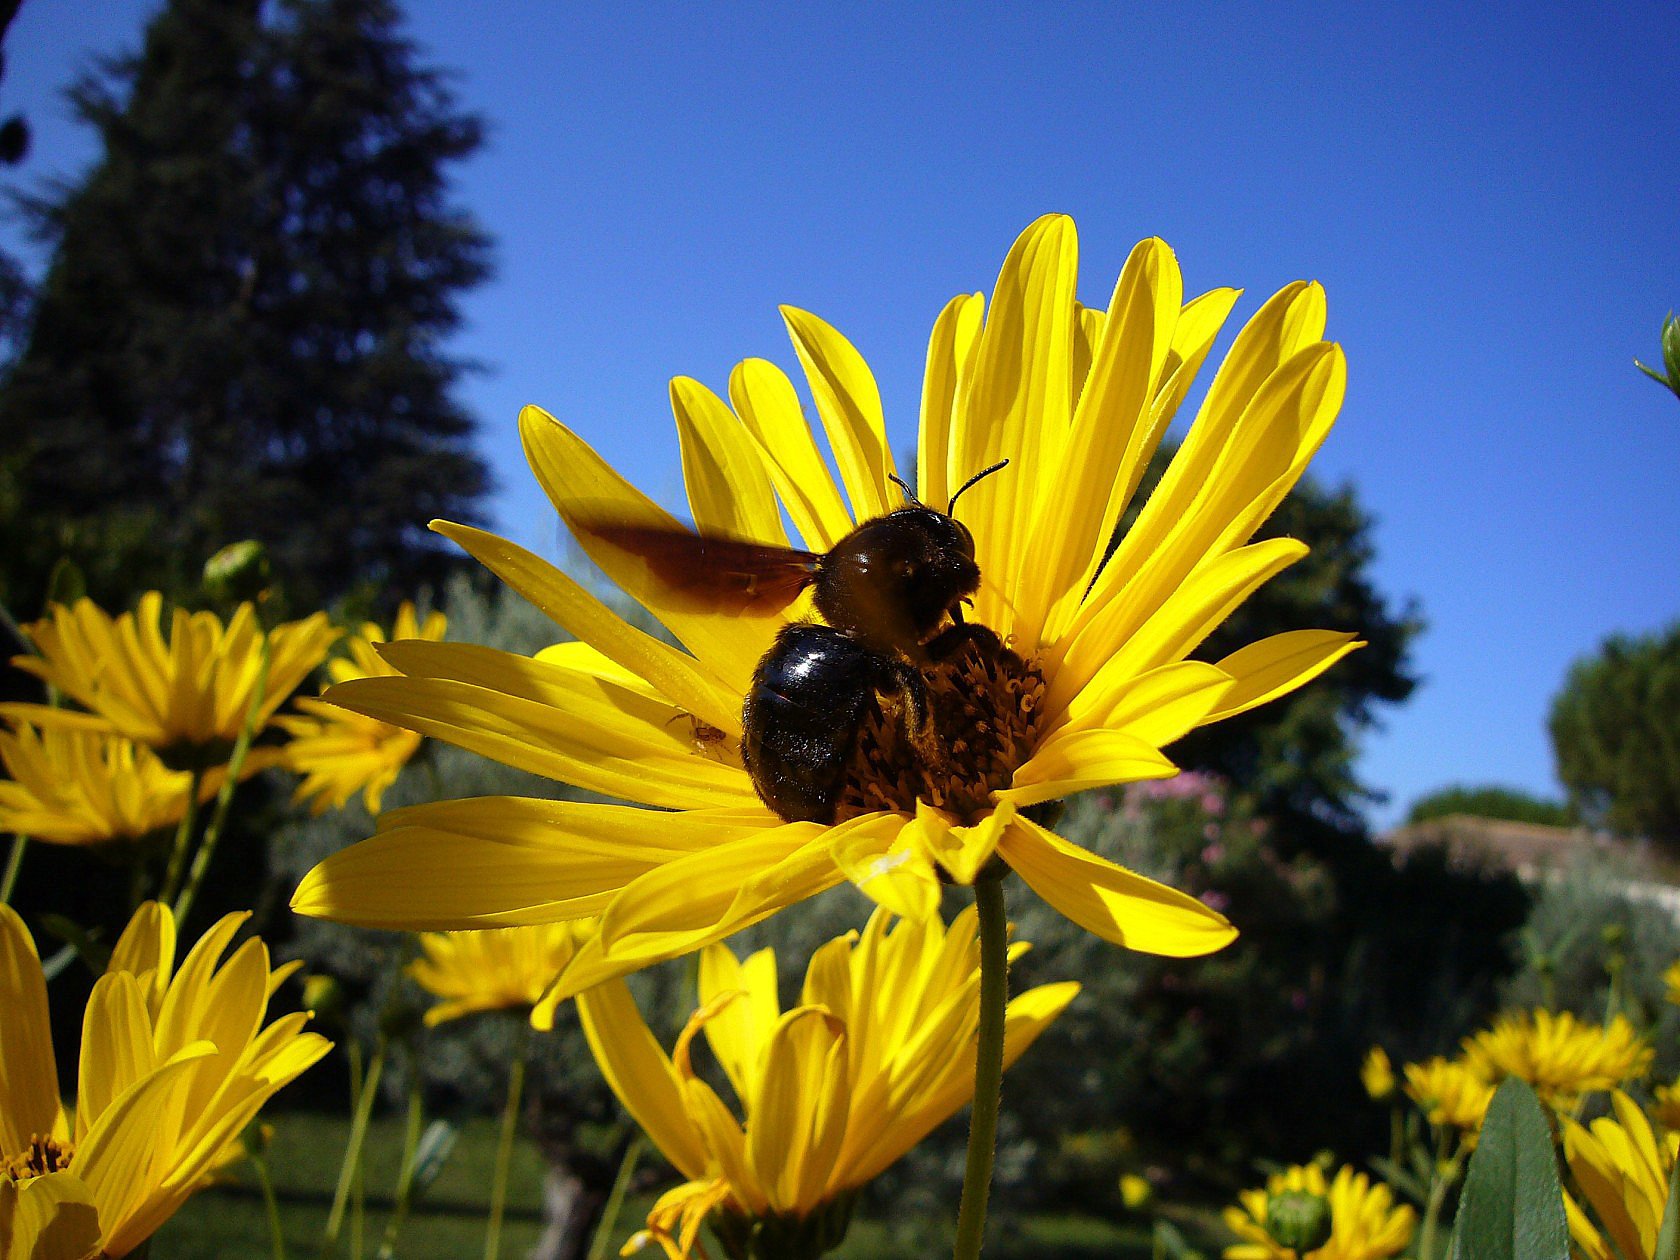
[[903, 680]]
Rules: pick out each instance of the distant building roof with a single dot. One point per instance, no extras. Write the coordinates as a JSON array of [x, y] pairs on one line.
[[1526, 849]]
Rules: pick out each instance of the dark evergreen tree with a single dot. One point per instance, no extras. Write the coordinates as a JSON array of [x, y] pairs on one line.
[[1615, 730], [240, 332]]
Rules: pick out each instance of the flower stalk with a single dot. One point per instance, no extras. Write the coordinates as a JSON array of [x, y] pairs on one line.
[[601, 1244], [14, 864], [504, 1145], [988, 1064], [224, 797], [177, 867], [365, 1088]]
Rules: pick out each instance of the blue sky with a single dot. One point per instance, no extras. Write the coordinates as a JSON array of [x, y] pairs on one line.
[[1490, 195]]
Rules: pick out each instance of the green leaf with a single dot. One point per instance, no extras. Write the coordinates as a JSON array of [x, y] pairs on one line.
[[84, 941], [1668, 1238], [1512, 1207]]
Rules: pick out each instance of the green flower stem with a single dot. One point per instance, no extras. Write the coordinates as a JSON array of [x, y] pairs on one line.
[[411, 1145], [1442, 1176], [271, 1206], [599, 1245], [14, 864], [224, 797], [504, 1147], [364, 1091], [1668, 1235], [183, 841], [988, 1064]]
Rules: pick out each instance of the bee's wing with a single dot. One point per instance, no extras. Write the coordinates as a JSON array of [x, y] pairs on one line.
[[721, 574]]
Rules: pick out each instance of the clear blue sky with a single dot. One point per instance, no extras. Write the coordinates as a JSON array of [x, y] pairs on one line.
[[1490, 194]]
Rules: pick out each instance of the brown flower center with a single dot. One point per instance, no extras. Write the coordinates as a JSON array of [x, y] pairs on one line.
[[984, 708], [43, 1155]]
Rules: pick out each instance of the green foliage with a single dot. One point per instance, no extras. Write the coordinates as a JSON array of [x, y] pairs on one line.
[[1615, 731], [239, 332], [1492, 801], [1512, 1207]]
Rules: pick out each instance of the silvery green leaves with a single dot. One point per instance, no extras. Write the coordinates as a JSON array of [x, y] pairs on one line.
[[1512, 1207]]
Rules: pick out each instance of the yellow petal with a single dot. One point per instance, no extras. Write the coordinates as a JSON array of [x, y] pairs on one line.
[[1115, 401], [570, 736], [146, 950], [53, 1218], [795, 1123], [504, 861], [116, 1046], [1277, 665], [673, 674], [1110, 901], [741, 1026], [768, 406], [1074, 761], [728, 488], [950, 357], [850, 406], [1157, 706], [582, 486], [1017, 404], [962, 850], [638, 1072], [29, 1099], [660, 923], [884, 862], [115, 1160]]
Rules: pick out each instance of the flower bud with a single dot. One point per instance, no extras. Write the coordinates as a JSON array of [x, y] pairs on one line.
[[1299, 1220], [238, 572], [323, 998]]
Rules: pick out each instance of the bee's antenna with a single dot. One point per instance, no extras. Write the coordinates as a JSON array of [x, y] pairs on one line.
[[902, 485], [979, 476]]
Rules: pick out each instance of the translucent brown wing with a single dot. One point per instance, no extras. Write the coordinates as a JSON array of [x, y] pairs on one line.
[[723, 574]]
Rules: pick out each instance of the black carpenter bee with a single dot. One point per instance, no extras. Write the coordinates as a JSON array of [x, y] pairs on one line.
[[891, 593]]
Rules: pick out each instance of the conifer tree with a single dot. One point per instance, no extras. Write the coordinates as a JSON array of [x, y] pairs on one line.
[[240, 330]]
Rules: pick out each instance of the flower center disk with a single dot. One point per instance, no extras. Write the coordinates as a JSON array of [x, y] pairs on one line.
[[43, 1155], [985, 706]]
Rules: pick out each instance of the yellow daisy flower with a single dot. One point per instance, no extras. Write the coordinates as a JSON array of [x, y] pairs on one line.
[[494, 969], [1561, 1056], [340, 752], [185, 696], [878, 1052], [88, 787], [175, 1063], [1376, 1073], [1364, 1222], [1665, 1105], [1449, 1093], [1671, 981], [1623, 1170], [1091, 680]]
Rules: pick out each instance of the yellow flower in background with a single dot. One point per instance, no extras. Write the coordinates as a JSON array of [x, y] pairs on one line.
[[1671, 979], [184, 696], [1623, 1171], [1449, 1093], [493, 969], [1376, 1073], [1561, 1056], [878, 1052], [1094, 682], [89, 788], [1665, 1105], [340, 752], [175, 1063], [1365, 1224]]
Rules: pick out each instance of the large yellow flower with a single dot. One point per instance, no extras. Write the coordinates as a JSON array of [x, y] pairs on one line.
[[1561, 1056], [1364, 1223], [88, 787], [185, 696], [340, 752], [494, 969], [175, 1063], [1623, 1170], [878, 1052], [1097, 679]]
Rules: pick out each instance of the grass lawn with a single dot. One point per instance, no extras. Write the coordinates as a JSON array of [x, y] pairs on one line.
[[448, 1224]]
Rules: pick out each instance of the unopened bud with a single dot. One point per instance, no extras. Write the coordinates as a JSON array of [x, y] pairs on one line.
[[1298, 1220], [238, 572], [323, 997]]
